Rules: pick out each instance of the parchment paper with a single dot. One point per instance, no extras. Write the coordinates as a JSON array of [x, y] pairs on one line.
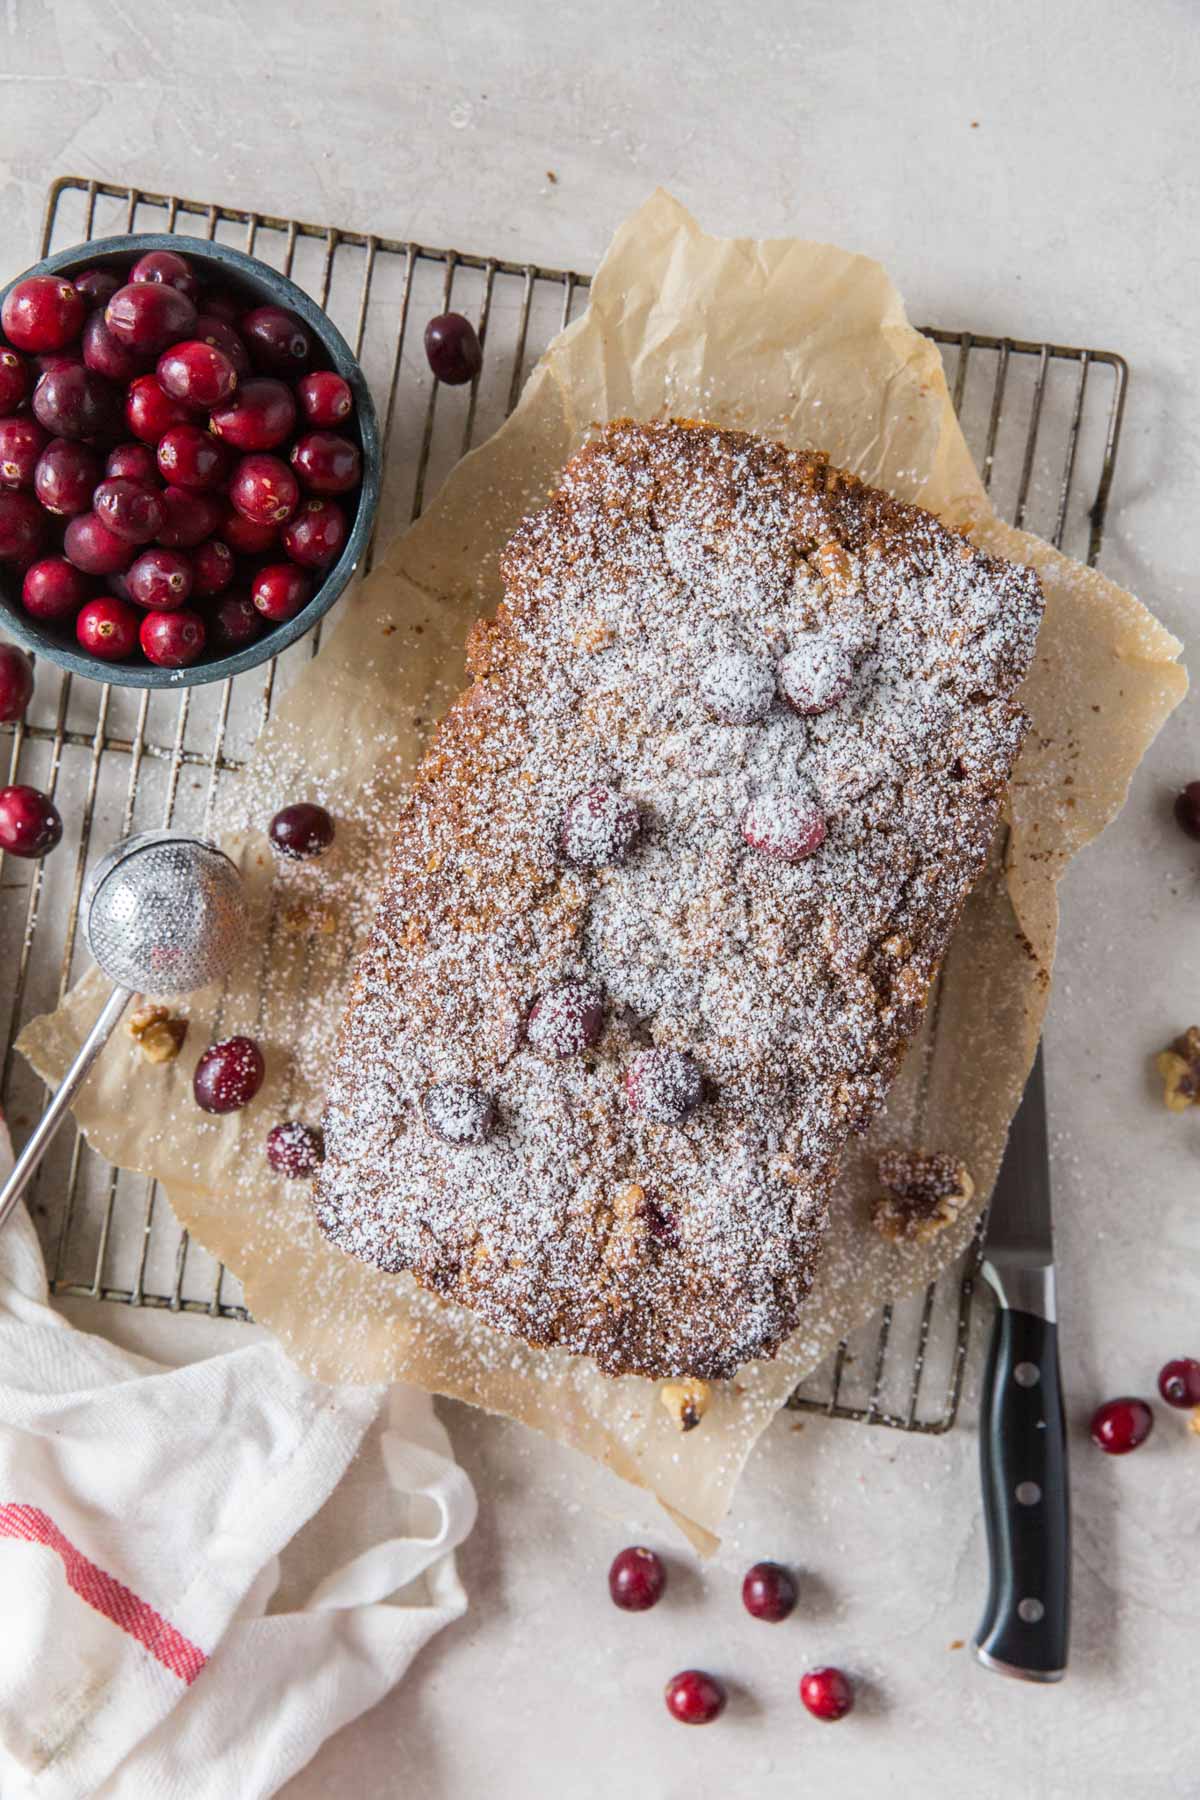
[[795, 340]]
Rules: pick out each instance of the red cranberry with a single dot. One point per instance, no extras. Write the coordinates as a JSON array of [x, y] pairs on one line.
[[826, 1693], [190, 457], [816, 674], [325, 399], [234, 623], [106, 355], [21, 444], [599, 827], [160, 579], [1178, 1381], [219, 303], [43, 312], [108, 628], [304, 829], [259, 417], [16, 683], [133, 462], [264, 490], [167, 268], [295, 1150], [222, 337], [1187, 809], [566, 1019], [245, 536], [694, 1698], [317, 534], [29, 822], [326, 462], [228, 1075], [77, 403], [459, 1113], [1121, 1425], [150, 412], [147, 316], [22, 526], [212, 569], [172, 639], [280, 591], [277, 341], [737, 687], [92, 547], [190, 518], [453, 349], [130, 510], [636, 1579], [97, 286], [769, 1592], [14, 380], [198, 374], [66, 477], [664, 1086], [54, 589], [783, 825], [59, 359]]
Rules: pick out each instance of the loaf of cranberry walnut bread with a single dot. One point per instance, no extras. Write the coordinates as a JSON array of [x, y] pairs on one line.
[[668, 894]]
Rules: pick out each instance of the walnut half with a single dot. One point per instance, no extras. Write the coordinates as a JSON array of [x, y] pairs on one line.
[[922, 1194], [686, 1401], [1179, 1066], [157, 1033]]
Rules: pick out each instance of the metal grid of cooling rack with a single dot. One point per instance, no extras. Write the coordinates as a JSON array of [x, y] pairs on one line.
[[1043, 419]]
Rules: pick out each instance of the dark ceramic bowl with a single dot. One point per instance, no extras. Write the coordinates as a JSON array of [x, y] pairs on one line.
[[261, 285]]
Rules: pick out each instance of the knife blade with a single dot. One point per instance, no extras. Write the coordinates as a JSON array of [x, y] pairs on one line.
[[1025, 1628]]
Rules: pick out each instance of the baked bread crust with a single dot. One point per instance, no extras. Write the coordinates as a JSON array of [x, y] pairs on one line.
[[595, 863]]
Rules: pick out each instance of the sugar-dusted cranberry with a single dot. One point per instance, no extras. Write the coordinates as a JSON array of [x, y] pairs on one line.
[[66, 477], [150, 411], [221, 335], [75, 402], [130, 509], [246, 537], [737, 687], [259, 416], [1178, 1381], [636, 1579], [1121, 1425], [317, 534], [190, 517], [459, 1113], [108, 628], [326, 462], [43, 312], [234, 623], [92, 547], [1187, 809], [664, 1086], [301, 830], [190, 457], [599, 827], [14, 379], [826, 1693], [106, 355], [219, 303], [16, 683], [97, 286], [295, 1150], [452, 349], [566, 1019], [22, 526], [228, 1075], [197, 373], [694, 1698], [29, 822], [816, 674], [160, 579], [146, 316], [264, 490], [325, 399], [212, 569], [166, 268], [22, 441], [787, 826], [769, 1592], [280, 591], [133, 462], [278, 343], [172, 640], [54, 589]]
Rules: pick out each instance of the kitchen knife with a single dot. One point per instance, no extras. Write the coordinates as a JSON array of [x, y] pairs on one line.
[[1022, 1437]]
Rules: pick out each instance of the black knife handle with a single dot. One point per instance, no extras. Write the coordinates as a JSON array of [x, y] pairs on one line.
[[1022, 1437]]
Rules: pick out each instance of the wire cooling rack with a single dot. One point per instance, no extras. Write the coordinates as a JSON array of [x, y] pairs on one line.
[[1042, 419]]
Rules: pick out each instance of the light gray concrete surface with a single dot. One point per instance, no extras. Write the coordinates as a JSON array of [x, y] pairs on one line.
[[1022, 168]]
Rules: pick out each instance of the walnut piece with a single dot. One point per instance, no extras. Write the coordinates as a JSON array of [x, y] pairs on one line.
[[922, 1194], [1179, 1066], [686, 1401], [310, 918], [157, 1033]]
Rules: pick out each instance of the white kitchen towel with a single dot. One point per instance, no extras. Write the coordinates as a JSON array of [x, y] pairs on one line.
[[158, 1640]]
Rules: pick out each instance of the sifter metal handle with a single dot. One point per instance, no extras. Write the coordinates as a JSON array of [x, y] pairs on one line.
[[53, 1116]]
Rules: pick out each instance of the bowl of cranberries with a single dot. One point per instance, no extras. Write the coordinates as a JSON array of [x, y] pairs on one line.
[[189, 461]]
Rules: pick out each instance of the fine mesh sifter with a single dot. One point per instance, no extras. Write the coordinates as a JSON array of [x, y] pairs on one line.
[[163, 913]]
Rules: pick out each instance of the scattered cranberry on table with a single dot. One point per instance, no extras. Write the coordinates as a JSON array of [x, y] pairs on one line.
[[452, 349], [769, 1592], [108, 628], [1178, 1380], [694, 1698], [637, 1579], [1121, 1425], [228, 1075], [826, 1693], [295, 1150], [1187, 809], [16, 683], [302, 830], [29, 822]]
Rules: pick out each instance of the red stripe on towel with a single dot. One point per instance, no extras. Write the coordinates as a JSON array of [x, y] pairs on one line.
[[104, 1592]]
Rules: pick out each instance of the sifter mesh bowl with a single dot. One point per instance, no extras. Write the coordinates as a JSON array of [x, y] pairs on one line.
[[164, 913]]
